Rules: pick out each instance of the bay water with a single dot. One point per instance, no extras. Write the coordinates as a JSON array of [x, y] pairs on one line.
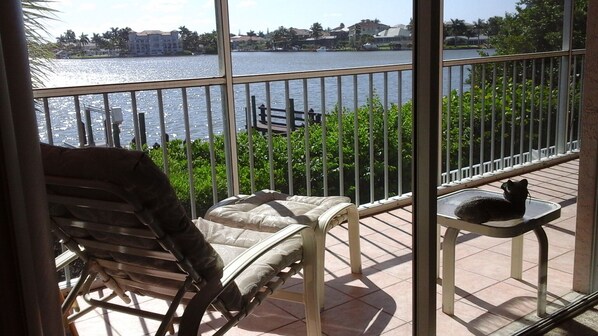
[[80, 72]]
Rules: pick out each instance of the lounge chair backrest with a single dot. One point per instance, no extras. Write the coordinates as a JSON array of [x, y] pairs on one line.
[[120, 207]]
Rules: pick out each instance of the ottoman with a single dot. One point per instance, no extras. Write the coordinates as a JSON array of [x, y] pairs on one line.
[[270, 211]]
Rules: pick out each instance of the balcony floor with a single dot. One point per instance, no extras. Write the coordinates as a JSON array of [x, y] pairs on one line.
[[378, 301]]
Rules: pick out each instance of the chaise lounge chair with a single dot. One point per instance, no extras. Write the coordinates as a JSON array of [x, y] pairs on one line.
[[117, 211]]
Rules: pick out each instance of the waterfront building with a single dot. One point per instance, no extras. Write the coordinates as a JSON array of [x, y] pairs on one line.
[[341, 32], [367, 27], [301, 33], [246, 42], [398, 36], [154, 43]]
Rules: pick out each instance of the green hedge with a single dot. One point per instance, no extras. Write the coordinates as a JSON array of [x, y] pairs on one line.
[[373, 113]]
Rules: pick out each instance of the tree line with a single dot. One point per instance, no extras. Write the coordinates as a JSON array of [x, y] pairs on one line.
[[118, 39], [192, 42], [114, 38], [536, 25]]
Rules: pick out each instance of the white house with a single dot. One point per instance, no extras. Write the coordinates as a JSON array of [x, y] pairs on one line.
[[154, 43], [367, 27], [397, 35]]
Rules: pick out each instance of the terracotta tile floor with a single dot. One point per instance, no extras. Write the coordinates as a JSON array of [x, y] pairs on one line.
[[378, 301]]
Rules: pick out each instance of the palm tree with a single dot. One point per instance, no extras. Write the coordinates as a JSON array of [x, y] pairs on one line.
[[35, 13], [493, 25], [101, 42], [83, 39], [61, 39], [251, 35], [96, 38], [280, 37], [184, 31], [410, 26], [113, 36], [480, 26], [70, 36], [292, 37], [185, 34], [316, 30], [123, 38], [457, 28], [209, 42]]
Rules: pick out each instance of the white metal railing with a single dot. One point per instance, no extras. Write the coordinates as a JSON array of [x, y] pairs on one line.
[[369, 157], [519, 126]]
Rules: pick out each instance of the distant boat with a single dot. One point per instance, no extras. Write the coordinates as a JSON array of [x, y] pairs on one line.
[[321, 49], [369, 46]]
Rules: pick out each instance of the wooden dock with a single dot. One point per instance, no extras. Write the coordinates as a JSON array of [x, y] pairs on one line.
[[265, 118]]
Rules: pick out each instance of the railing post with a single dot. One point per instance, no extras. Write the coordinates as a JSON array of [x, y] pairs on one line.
[[48, 121], [116, 135], [291, 114], [81, 131], [90, 141], [136, 118], [142, 129], [117, 119], [564, 74], [108, 121], [253, 113], [263, 114], [80, 124]]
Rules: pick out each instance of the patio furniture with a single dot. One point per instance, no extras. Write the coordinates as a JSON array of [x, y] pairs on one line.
[[117, 211], [538, 213], [270, 211], [62, 261]]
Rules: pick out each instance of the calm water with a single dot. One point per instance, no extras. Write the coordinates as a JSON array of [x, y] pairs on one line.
[[77, 72]]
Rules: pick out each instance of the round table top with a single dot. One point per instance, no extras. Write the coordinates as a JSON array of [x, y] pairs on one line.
[[537, 213]]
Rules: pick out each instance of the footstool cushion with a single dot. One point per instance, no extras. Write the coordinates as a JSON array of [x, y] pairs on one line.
[[269, 210]]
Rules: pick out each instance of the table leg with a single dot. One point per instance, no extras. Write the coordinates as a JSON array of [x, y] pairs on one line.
[[448, 270], [438, 251], [517, 257], [542, 269], [354, 239]]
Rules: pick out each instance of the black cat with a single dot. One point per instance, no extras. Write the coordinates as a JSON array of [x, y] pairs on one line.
[[483, 209]]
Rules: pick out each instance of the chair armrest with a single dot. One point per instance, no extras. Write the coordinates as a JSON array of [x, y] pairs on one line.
[[199, 303], [240, 263], [64, 259], [326, 218]]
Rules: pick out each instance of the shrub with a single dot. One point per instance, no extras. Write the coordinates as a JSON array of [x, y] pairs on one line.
[[366, 162]]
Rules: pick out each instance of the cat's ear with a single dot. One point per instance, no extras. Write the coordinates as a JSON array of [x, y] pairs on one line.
[[507, 185], [523, 182]]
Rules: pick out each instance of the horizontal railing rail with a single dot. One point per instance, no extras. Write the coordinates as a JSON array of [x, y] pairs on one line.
[[248, 79]]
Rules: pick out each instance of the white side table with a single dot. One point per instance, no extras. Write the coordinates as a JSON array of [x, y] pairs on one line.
[[537, 213]]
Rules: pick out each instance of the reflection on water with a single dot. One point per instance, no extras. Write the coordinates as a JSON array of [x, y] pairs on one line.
[[76, 72]]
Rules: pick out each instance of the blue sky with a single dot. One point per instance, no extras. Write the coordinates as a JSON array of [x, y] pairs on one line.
[[98, 16]]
